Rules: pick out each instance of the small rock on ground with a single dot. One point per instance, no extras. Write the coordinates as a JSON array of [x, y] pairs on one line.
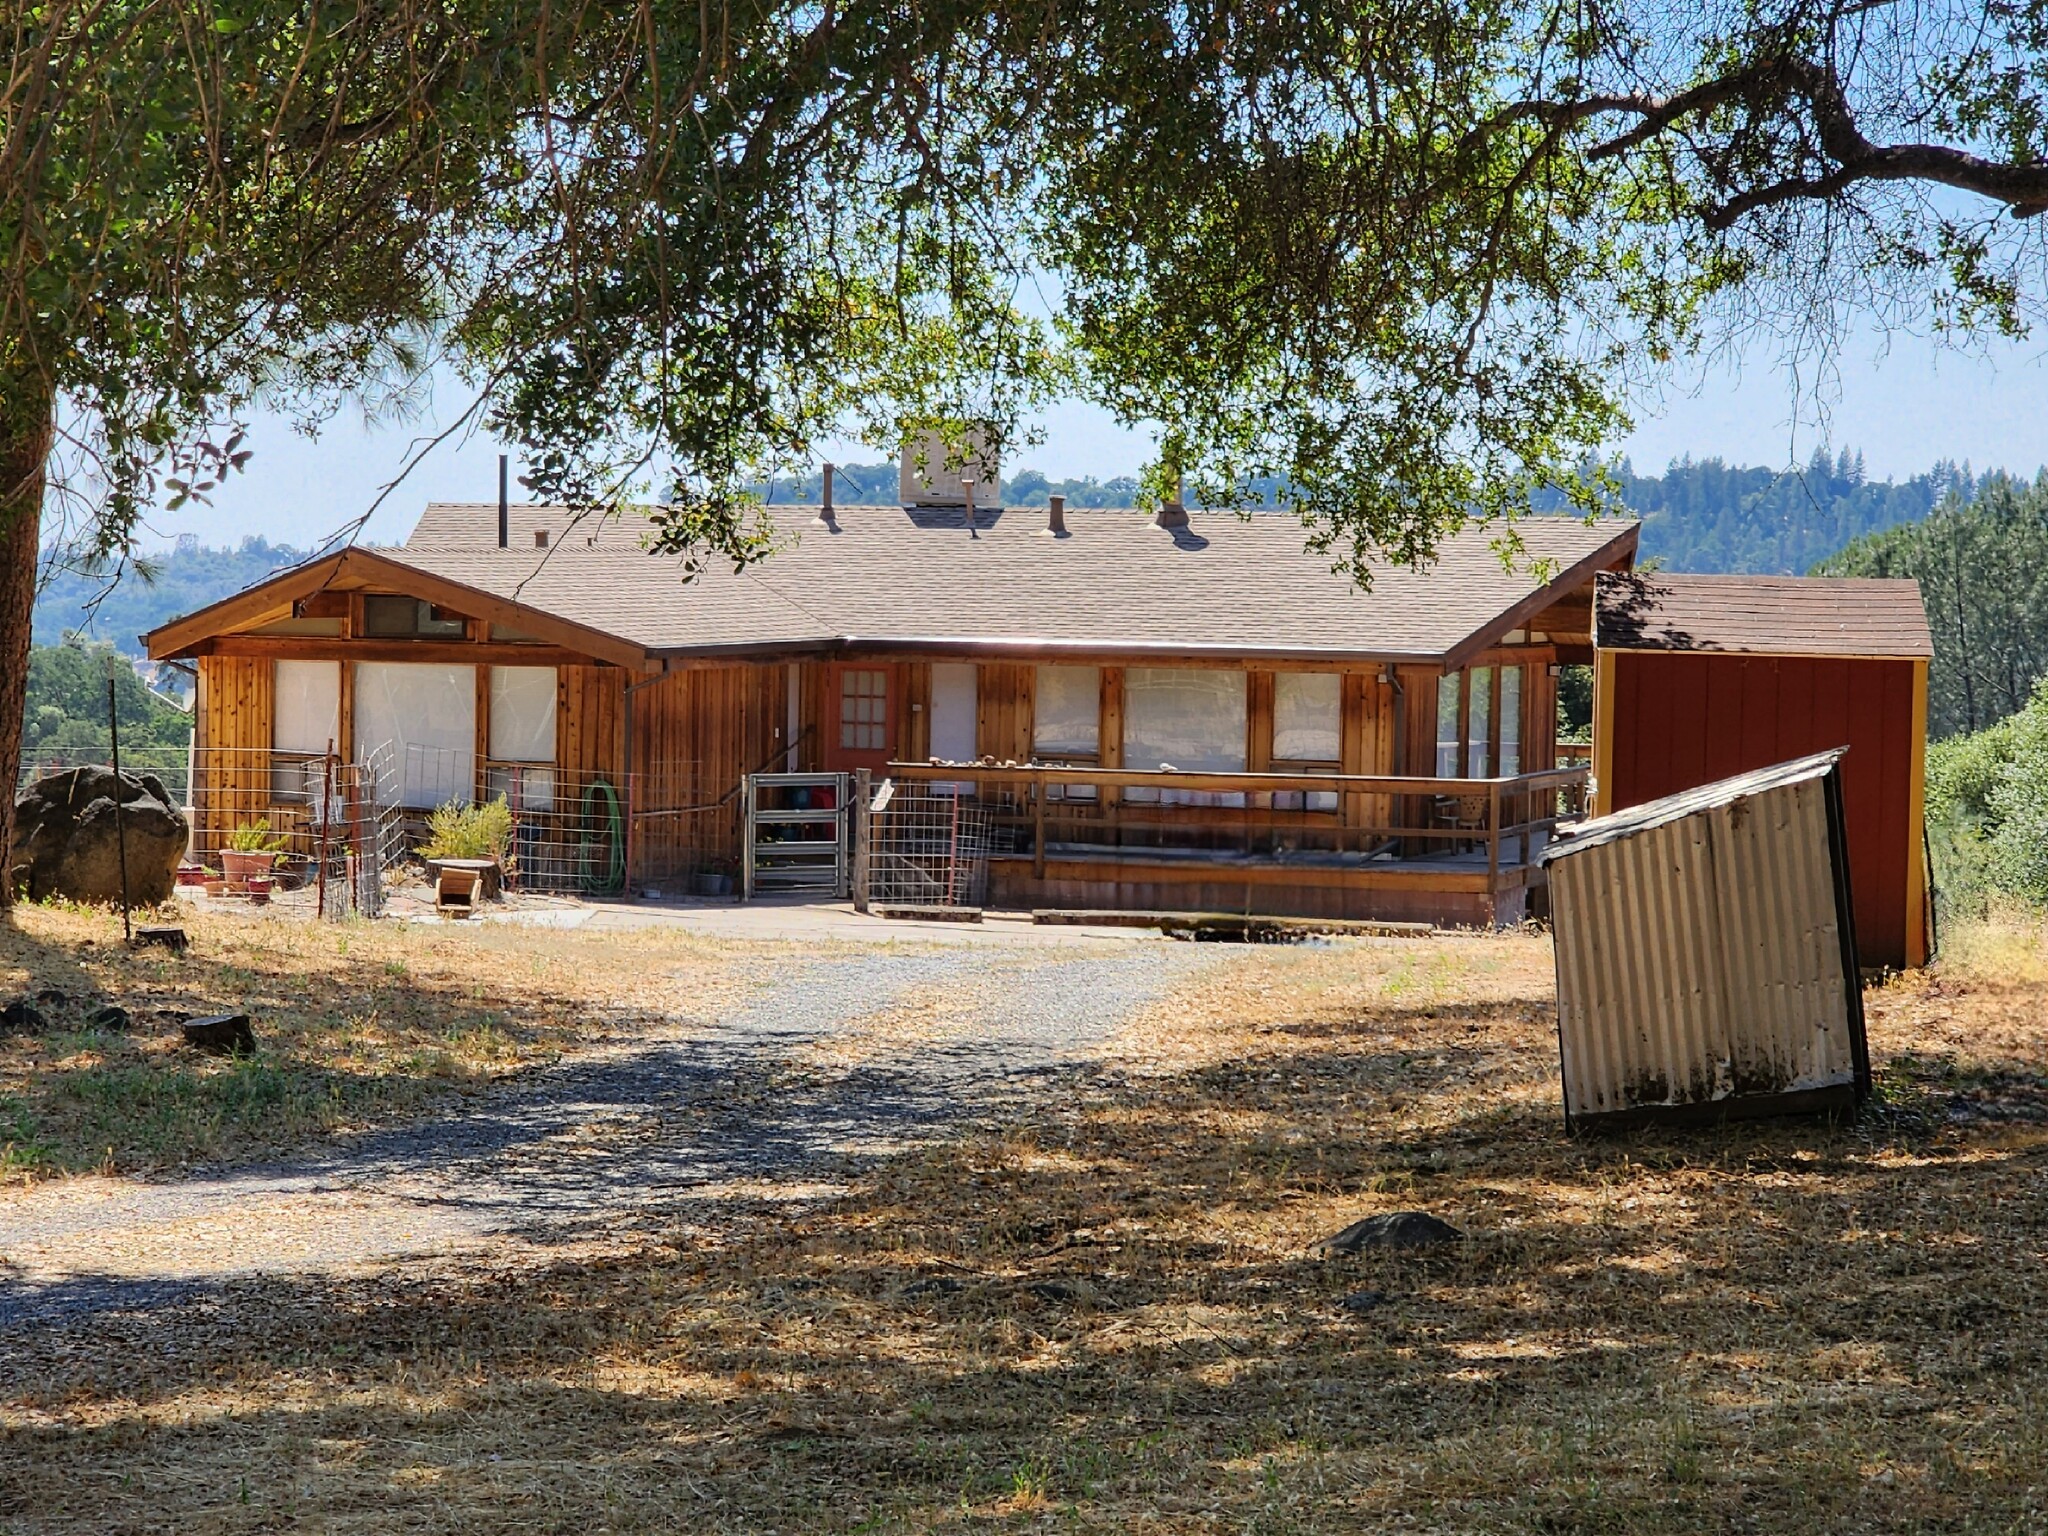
[[1397, 1229], [1363, 1301]]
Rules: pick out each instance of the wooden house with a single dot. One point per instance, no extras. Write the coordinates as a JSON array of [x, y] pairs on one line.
[[1187, 711]]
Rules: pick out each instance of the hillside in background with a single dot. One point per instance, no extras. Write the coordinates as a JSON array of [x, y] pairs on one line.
[[1982, 566], [187, 578], [1706, 515], [1699, 515]]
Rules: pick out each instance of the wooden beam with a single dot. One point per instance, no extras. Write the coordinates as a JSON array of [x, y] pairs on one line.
[[177, 637], [327, 648], [1129, 870], [1236, 783], [1618, 553]]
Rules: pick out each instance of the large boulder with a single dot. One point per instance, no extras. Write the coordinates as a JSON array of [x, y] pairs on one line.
[[65, 841]]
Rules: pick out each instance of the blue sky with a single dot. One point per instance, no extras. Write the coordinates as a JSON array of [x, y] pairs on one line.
[[1904, 405]]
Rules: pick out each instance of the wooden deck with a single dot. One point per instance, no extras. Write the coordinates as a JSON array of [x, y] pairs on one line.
[[1458, 852]]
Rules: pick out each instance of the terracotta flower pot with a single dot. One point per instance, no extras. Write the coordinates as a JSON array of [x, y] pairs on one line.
[[238, 866], [259, 890]]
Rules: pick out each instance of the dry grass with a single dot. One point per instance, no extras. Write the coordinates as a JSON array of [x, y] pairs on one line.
[[357, 1023], [1101, 1318]]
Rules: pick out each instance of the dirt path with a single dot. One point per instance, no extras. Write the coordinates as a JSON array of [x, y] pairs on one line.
[[829, 1062]]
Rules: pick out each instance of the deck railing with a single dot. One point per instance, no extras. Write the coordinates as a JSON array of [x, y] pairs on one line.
[[1044, 806]]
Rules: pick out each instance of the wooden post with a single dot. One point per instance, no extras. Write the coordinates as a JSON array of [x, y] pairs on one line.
[[1038, 828], [862, 789], [120, 794], [1493, 845]]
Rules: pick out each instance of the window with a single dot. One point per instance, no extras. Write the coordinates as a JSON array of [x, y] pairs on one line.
[[1510, 722], [1447, 734], [1066, 723], [523, 737], [1308, 709], [417, 722], [1185, 719], [1478, 715], [863, 709], [1066, 720], [390, 617], [305, 723]]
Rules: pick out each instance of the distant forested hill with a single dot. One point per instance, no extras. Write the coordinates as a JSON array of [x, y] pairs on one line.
[[1982, 566], [1708, 515], [168, 585]]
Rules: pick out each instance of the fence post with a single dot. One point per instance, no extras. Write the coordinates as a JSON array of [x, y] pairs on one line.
[[1493, 847], [862, 780], [747, 839]]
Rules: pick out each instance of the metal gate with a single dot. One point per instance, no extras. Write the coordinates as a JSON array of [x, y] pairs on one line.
[[796, 833]]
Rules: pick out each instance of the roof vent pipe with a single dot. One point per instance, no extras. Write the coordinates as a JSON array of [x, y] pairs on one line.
[[968, 486], [1175, 513], [504, 505], [1056, 517], [825, 502]]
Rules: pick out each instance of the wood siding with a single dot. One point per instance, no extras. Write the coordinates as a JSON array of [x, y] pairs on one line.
[[696, 735], [238, 702]]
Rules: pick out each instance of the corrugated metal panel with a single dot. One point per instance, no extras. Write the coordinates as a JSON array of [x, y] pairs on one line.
[[1705, 954]]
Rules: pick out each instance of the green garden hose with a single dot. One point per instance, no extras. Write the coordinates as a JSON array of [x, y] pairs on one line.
[[601, 798]]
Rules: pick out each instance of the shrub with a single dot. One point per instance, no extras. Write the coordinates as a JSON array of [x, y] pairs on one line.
[[256, 837], [456, 831]]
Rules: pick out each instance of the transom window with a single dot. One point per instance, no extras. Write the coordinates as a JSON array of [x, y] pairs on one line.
[[391, 617], [863, 709]]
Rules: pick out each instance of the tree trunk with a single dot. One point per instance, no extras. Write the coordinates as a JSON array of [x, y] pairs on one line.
[[25, 428]]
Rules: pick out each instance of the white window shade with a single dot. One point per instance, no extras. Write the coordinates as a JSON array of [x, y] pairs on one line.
[[1307, 710], [956, 703], [1510, 722], [307, 715], [523, 714], [1193, 721], [424, 716], [1067, 712]]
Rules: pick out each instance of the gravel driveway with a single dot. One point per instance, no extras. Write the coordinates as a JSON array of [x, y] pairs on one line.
[[830, 1061]]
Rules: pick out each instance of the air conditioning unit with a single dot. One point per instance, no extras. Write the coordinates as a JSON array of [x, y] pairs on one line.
[[927, 479]]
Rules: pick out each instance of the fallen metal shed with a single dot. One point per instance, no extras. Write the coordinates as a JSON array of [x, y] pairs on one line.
[[1706, 953]]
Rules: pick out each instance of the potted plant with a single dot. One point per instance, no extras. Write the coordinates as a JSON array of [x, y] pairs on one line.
[[259, 890], [252, 849]]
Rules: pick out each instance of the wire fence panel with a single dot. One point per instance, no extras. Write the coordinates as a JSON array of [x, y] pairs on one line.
[[928, 848], [328, 827]]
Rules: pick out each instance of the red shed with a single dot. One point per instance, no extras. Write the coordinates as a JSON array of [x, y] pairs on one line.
[[1699, 678]]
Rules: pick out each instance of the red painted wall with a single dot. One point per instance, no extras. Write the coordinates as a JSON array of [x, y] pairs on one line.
[[1682, 719]]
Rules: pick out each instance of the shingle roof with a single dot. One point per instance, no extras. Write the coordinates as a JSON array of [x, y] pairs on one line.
[[1765, 615], [890, 576]]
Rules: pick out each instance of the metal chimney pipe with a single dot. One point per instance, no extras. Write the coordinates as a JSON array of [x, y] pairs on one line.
[[1174, 514], [825, 508], [968, 487], [1056, 517], [504, 503]]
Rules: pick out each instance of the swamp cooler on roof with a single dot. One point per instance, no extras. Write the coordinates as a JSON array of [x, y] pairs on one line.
[[1706, 954]]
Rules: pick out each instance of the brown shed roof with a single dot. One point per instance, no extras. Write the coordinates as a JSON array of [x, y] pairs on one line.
[[1765, 615], [890, 576]]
